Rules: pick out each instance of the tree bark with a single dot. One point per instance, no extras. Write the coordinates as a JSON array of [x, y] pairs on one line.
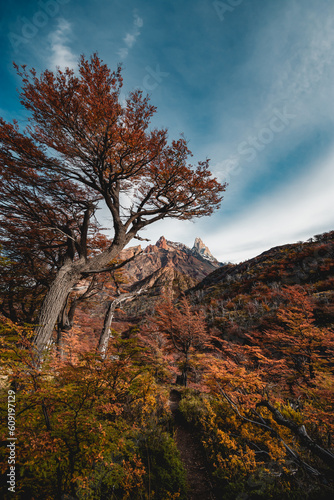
[[65, 322], [106, 333], [326, 455], [67, 277], [52, 306]]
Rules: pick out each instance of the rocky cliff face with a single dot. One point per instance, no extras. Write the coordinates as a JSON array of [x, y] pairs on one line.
[[165, 267], [195, 263], [200, 249]]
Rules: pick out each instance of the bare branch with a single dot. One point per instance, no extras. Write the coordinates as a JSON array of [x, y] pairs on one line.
[[293, 454], [112, 268], [140, 238], [300, 431]]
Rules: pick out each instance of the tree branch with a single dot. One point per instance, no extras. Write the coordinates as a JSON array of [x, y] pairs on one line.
[[300, 431], [294, 455], [112, 268]]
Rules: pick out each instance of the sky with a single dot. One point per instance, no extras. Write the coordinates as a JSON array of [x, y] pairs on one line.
[[250, 84]]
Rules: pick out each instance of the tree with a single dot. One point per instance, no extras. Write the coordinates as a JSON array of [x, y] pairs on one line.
[[33, 252], [81, 148], [185, 330], [295, 351], [87, 429]]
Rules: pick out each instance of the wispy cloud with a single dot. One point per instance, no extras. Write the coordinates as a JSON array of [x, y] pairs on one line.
[[294, 212], [302, 46], [300, 86], [131, 38], [123, 52], [61, 54]]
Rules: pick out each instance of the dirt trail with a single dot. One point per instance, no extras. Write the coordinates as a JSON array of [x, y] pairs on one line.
[[200, 487]]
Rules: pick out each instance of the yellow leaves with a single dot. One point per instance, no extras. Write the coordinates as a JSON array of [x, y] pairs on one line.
[[172, 496], [288, 412], [102, 431], [236, 465], [225, 440], [134, 472], [276, 450], [249, 458]]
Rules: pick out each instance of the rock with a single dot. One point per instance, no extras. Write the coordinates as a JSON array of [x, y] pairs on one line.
[[162, 243], [202, 250]]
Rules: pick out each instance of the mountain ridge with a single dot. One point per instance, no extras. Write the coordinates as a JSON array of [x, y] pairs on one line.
[[196, 262]]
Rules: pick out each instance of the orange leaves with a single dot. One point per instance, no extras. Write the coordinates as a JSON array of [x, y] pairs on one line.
[[303, 346], [185, 328], [62, 98], [83, 145], [180, 330], [81, 420], [83, 141], [185, 190]]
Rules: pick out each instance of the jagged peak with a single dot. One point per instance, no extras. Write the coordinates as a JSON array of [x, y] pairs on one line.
[[200, 248], [162, 243], [198, 244]]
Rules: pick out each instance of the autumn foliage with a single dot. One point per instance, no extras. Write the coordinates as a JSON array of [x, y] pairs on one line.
[[249, 350], [178, 331], [89, 428], [100, 427], [83, 149]]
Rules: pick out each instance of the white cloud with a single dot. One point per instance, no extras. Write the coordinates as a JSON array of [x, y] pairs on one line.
[[61, 54], [131, 38], [291, 65], [123, 52], [293, 213], [138, 21]]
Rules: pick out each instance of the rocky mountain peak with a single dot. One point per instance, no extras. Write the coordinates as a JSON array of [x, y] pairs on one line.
[[200, 248], [194, 263], [162, 243]]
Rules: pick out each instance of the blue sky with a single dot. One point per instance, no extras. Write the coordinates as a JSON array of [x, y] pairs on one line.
[[250, 83]]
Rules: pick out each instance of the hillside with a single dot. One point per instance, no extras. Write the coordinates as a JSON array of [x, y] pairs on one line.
[[299, 263], [220, 387], [243, 296], [165, 267]]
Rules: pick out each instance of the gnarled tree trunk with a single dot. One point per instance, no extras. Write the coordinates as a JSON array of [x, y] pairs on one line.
[[52, 306], [57, 295], [106, 333]]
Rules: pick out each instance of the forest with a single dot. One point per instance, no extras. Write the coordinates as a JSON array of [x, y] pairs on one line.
[[99, 384]]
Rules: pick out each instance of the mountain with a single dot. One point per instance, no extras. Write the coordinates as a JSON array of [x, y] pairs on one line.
[[239, 298], [166, 266], [195, 263], [266, 360], [200, 249], [304, 263]]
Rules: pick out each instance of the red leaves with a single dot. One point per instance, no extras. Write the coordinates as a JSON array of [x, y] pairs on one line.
[[185, 328], [176, 332], [99, 142], [84, 145]]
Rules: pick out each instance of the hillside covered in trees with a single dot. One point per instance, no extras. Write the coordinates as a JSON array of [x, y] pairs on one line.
[[156, 374], [242, 363]]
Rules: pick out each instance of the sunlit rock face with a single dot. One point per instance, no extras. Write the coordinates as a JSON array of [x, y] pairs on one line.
[[195, 263], [203, 251]]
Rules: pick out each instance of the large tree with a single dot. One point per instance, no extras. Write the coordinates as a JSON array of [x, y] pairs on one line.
[[83, 147]]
